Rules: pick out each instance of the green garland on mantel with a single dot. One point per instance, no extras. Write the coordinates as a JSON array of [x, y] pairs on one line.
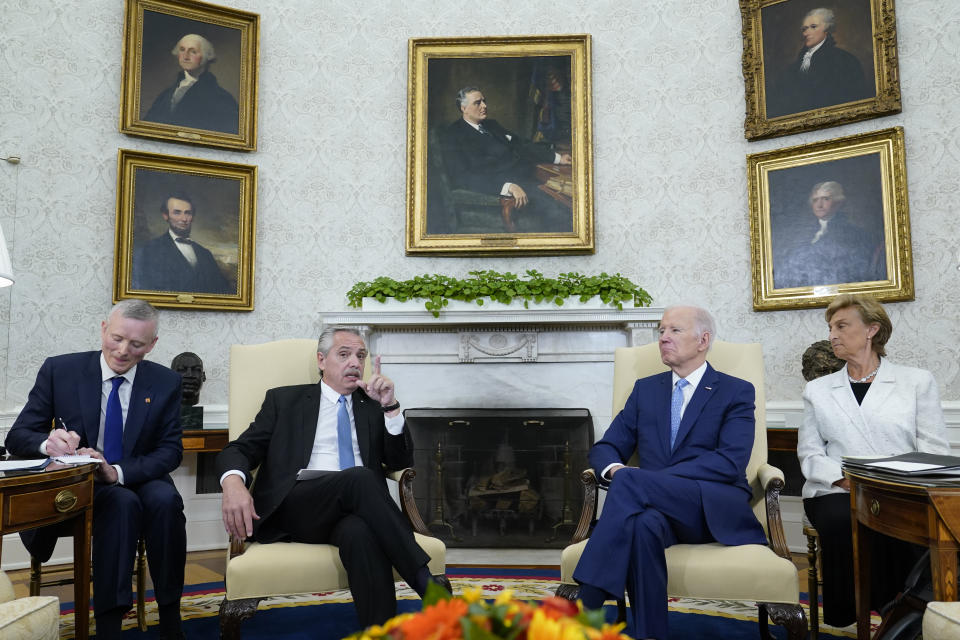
[[437, 290]]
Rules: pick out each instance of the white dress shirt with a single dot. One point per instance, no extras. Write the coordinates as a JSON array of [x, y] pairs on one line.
[[693, 380], [325, 454], [186, 248], [124, 391]]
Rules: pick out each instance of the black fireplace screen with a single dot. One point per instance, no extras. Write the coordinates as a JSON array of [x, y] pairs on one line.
[[500, 477]]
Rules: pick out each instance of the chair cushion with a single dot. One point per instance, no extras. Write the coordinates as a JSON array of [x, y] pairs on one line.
[[941, 621], [6, 588], [290, 568], [31, 618], [714, 571]]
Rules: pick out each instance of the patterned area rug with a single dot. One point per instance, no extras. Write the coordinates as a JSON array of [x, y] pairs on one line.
[[289, 618]]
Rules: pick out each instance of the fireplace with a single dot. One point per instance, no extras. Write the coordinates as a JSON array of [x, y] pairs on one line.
[[511, 359], [500, 477]]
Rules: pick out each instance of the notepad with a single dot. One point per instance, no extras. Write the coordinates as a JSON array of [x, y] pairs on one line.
[[75, 459]]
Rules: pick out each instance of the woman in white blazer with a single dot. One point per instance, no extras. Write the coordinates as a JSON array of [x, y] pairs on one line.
[[871, 407]]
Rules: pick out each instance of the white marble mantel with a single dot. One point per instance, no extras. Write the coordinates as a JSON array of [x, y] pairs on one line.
[[506, 358], [477, 334]]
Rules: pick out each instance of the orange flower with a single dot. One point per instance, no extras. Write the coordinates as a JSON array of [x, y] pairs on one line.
[[440, 621]]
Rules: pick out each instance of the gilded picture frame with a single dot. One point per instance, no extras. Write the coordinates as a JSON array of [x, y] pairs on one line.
[[850, 74], [830, 217], [521, 182], [190, 73], [185, 232]]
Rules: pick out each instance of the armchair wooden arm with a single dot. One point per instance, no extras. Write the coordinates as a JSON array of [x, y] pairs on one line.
[[404, 478], [771, 479], [588, 514], [237, 546]]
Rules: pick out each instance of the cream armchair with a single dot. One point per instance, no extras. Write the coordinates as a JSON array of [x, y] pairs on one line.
[[256, 571], [762, 574], [30, 618]]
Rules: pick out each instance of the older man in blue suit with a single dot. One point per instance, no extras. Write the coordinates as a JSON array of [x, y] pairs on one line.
[[114, 406], [692, 428]]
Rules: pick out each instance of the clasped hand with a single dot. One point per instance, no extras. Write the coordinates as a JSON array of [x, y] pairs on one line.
[[105, 472]]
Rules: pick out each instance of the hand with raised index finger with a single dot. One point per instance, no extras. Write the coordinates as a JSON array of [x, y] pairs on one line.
[[379, 387]]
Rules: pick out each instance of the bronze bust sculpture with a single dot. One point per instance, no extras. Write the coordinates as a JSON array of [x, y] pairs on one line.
[[190, 367]]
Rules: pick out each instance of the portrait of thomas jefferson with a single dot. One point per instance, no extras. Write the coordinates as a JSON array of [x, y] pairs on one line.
[[823, 244], [820, 70]]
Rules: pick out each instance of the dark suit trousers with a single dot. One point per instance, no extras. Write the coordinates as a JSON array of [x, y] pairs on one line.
[[353, 510], [120, 515], [644, 513]]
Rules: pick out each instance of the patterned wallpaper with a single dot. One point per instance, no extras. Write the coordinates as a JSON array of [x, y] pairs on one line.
[[671, 203]]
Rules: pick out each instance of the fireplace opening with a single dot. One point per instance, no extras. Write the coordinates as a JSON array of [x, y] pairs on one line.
[[500, 477]]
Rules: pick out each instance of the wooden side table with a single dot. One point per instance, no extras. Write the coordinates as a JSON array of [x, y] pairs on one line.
[[205, 440], [922, 515], [31, 499]]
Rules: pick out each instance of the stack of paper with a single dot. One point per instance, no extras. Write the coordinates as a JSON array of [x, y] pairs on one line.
[[925, 467]]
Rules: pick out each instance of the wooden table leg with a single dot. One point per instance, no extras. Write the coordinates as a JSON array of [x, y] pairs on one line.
[[82, 532], [861, 571], [943, 568]]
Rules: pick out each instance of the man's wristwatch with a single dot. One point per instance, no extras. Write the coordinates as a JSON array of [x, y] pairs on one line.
[[390, 407]]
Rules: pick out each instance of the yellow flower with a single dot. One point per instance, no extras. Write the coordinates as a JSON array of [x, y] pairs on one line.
[[472, 594], [543, 628], [505, 597]]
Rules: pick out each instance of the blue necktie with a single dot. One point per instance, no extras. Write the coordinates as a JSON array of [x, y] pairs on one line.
[[344, 437], [113, 424], [676, 405]]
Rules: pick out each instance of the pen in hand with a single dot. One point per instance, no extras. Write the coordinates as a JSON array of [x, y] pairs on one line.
[[63, 425]]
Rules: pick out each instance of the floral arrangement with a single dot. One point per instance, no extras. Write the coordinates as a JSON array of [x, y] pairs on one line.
[[470, 617]]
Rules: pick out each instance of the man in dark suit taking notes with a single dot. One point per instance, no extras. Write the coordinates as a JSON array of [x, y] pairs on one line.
[[115, 406], [692, 428], [345, 430]]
